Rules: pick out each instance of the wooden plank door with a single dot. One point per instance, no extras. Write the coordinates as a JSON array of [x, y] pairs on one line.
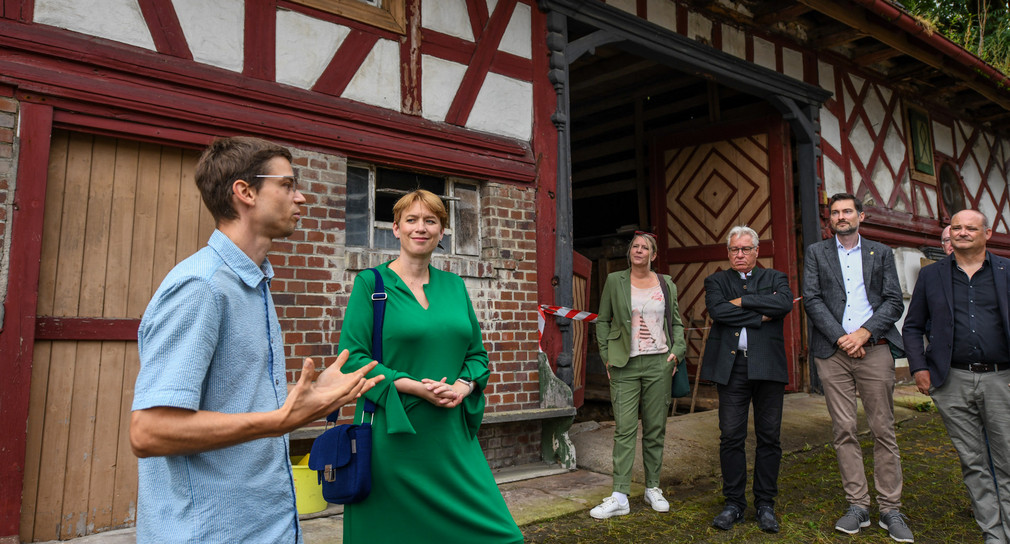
[[706, 183], [118, 215], [583, 271]]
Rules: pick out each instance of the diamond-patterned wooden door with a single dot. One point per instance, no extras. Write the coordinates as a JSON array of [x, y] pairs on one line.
[[706, 183]]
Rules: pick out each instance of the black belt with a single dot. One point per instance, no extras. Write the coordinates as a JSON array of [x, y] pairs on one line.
[[981, 367]]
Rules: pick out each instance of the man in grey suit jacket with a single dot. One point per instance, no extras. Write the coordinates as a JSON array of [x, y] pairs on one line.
[[745, 354], [852, 297]]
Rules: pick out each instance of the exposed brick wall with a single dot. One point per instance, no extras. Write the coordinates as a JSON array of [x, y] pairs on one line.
[[315, 273], [8, 124], [510, 444]]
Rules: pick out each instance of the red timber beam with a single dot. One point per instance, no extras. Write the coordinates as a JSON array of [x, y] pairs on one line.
[[480, 63], [102, 76], [17, 336], [166, 31]]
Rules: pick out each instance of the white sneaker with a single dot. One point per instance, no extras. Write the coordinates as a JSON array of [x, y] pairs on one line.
[[654, 498], [609, 508]]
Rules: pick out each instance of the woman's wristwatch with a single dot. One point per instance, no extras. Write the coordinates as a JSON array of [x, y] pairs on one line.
[[469, 383]]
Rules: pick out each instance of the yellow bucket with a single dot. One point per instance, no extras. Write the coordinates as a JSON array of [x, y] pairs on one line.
[[308, 493]]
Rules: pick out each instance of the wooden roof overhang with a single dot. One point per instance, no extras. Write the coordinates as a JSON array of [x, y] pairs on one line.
[[883, 40]]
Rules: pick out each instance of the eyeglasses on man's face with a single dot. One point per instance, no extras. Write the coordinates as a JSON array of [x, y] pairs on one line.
[[744, 250], [290, 182]]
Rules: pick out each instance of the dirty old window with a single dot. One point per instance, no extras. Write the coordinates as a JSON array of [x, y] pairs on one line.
[[372, 191], [386, 14]]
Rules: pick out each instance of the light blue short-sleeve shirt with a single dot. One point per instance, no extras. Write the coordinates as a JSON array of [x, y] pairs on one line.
[[210, 340]]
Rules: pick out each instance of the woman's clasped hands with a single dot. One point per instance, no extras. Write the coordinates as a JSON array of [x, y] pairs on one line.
[[446, 395]]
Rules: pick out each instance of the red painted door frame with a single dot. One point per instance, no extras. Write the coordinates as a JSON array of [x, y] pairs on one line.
[[783, 239], [17, 338]]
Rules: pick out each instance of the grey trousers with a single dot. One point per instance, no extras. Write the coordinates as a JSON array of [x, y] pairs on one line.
[[873, 378], [973, 405]]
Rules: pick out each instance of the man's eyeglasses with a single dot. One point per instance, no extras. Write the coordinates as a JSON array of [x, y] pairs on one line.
[[293, 178], [745, 250], [643, 233]]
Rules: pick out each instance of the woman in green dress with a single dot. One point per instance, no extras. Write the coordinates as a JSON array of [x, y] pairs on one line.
[[430, 480]]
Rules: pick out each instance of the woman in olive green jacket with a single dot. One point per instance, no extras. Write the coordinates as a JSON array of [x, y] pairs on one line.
[[641, 340]]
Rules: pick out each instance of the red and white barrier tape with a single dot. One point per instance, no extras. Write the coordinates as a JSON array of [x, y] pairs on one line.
[[582, 315]]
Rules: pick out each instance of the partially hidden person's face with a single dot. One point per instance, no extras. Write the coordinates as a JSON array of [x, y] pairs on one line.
[[641, 252], [945, 241], [278, 200], [418, 229], [844, 217], [743, 253], [968, 232]]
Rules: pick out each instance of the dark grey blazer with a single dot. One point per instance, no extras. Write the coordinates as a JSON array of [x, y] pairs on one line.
[[824, 295], [933, 303], [766, 293]]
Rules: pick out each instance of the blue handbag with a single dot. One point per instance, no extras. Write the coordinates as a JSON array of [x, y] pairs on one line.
[[342, 455]]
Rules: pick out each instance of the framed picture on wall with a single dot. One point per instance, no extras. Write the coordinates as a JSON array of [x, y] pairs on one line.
[[919, 141]]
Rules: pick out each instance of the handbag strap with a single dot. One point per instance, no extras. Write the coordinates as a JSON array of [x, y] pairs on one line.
[[378, 314]]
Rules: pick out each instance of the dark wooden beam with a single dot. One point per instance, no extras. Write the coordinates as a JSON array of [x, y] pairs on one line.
[[875, 55], [836, 35], [782, 12]]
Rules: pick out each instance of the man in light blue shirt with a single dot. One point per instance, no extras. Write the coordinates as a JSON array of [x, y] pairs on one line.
[[852, 297], [211, 407]]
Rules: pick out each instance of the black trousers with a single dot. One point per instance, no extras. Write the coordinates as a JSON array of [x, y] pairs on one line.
[[735, 399]]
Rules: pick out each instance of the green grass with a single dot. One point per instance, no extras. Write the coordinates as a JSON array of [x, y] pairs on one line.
[[810, 500]]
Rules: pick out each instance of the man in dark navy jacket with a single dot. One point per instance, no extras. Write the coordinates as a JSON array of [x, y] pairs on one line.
[[963, 362], [745, 354]]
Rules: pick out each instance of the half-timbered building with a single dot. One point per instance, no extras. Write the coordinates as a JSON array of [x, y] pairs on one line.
[[553, 129]]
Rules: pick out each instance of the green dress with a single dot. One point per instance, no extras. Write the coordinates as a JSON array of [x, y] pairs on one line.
[[430, 480]]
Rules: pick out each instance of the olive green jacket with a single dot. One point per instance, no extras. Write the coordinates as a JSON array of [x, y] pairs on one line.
[[613, 326]]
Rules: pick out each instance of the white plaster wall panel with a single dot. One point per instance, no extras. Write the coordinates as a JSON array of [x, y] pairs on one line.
[[826, 76], [516, 39], [663, 13], [884, 182], [925, 206], [734, 42], [377, 82], [440, 81], [986, 206], [764, 53], [894, 148], [981, 151], [834, 178], [906, 261], [857, 179], [630, 6], [861, 141], [959, 133], [829, 129], [305, 47], [996, 183], [698, 27], [848, 102], [117, 20], [503, 106], [972, 177], [491, 4], [943, 139], [215, 31], [885, 92], [1006, 221], [857, 82], [905, 186], [874, 110], [448, 17], [792, 63]]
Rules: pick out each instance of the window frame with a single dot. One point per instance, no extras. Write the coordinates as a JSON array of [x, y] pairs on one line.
[[450, 199], [390, 16]]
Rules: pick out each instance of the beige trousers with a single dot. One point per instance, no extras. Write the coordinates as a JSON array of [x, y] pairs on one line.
[[872, 377]]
